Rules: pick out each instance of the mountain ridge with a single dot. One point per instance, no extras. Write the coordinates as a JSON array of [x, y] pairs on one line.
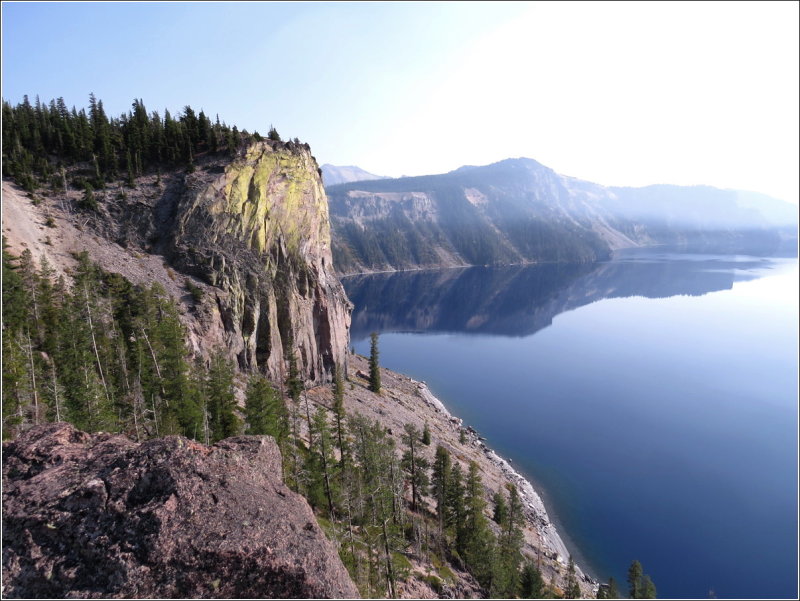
[[342, 174], [520, 211]]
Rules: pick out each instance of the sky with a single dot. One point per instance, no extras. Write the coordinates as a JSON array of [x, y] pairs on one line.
[[618, 93]]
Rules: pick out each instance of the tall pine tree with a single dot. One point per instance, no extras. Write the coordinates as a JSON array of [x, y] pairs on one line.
[[374, 365]]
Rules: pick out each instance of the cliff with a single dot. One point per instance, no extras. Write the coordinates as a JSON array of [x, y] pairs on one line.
[[260, 233], [508, 213], [98, 516], [249, 234]]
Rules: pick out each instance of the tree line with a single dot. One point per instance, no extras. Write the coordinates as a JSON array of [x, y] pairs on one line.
[[42, 140], [104, 354]]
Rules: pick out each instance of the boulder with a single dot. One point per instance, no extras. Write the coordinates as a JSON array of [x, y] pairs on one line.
[[98, 516]]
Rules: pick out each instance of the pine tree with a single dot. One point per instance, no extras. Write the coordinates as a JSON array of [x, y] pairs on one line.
[[323, 453], [15, 379], [648, 588], [265, 411], [500, 508], [16, 316], [414, 465], [294, 385], [294, 382], [131, 182], [531, 583], [375, 499], [505, 576], [455, 509], [221, 400], [255, 405], [88, 201], [101, 414], [339, 414], [426, 435], [475, 541], [182, 405], [374, 366], [613, 591], [15, 299], [635, 580], [441, 481], [573, 589]]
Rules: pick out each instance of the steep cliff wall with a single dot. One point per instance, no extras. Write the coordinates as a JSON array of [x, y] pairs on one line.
[[259, 233]]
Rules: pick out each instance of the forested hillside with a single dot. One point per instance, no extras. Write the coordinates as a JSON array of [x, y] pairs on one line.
[[471, 216]]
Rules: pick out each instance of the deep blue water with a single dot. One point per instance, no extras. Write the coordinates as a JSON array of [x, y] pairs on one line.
[[651, 399]]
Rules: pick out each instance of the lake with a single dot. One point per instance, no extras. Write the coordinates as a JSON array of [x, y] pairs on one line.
[[651, 399]]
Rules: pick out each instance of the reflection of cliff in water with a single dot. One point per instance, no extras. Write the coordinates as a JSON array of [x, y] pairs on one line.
[[519, 301]]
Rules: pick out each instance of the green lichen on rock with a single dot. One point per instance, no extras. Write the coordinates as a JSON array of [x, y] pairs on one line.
[[274, 193], [261, 234]]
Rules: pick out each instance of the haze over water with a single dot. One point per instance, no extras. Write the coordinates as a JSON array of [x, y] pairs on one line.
[[651, 399]]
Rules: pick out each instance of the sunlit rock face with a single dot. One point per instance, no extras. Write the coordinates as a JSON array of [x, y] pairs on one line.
[[257, 230]]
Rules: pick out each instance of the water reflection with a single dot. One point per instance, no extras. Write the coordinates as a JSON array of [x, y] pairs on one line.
[[520, 301]]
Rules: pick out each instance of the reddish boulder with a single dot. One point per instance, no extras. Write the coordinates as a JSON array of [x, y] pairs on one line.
[[97, 516]]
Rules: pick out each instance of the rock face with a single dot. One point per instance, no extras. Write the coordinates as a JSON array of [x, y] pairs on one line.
[[260, 232], [255, 229], [98, 516]]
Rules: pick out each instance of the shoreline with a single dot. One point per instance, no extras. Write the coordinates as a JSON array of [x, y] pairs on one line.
[[535, 510], [404, 400]]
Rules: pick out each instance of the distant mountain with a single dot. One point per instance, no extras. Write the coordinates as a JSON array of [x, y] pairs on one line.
[[331, 175], [519, 211]]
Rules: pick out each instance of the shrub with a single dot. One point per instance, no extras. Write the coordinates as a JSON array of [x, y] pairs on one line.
[[88, 202], [401, 565], [195, 291]]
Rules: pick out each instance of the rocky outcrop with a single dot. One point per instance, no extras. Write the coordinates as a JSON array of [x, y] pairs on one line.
[[98, 516], [252, 232], [258, 232]]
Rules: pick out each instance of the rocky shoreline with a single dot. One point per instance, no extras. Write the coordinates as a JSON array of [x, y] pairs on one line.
[[405, 400], [535, 511]]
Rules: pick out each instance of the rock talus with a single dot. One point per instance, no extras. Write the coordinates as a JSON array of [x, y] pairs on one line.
[[96, 516]]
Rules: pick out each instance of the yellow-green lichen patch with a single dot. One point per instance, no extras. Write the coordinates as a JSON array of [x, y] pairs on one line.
[[237, 191], [270, 194]]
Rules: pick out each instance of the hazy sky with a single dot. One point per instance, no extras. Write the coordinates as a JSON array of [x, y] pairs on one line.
[[616, 93]]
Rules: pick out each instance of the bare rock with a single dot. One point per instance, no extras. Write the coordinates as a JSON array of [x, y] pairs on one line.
[[96, 516], [259, 233]]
